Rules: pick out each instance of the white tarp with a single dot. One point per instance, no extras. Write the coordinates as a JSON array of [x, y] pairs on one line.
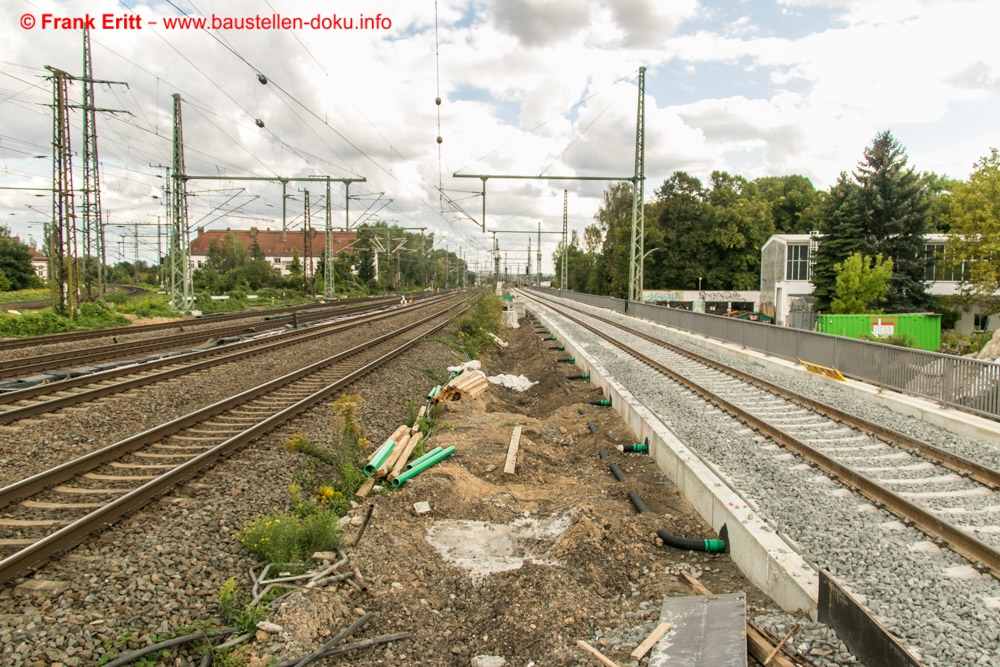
[[516, 382]]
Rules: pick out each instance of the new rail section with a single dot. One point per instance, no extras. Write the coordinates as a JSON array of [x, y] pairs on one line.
[[792, 420], [118, 479]]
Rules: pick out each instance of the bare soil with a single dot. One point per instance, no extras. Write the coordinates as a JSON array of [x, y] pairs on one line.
[[603, 574]]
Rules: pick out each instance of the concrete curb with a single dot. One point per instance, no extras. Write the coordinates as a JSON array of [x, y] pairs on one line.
[[763, 557]]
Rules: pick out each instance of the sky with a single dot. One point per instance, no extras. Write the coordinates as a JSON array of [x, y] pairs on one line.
[[527, 87]]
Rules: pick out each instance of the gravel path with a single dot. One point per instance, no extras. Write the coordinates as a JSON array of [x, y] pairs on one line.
[[942, 609]]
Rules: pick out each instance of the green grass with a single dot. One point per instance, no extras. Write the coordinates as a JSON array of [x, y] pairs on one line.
[[24, 295]]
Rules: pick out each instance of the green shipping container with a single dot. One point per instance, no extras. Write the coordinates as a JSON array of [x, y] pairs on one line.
[[925, 328]]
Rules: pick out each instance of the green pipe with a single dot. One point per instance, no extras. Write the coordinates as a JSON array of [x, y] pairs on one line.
[[416, 470], [433, 392], [421, 459], [379, 457]]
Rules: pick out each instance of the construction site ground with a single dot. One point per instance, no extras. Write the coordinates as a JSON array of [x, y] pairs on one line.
[[521, 565]]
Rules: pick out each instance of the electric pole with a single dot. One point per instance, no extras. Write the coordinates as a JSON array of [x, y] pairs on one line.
[[638, 191], [181, 289], [564, 271]]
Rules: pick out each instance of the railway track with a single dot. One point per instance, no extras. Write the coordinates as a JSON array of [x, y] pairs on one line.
[[56, 509], [77, 362], [53, 396], [206, 322], [948, 497]]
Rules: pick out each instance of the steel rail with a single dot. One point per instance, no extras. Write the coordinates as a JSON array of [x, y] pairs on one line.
[[251, 347], [26, 366], [78, 530], [68, 336], [968, 546], [985, 475]]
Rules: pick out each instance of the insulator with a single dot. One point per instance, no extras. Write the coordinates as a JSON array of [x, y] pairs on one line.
[[439, 139], [437, 101], [262, 79], [259, 122]]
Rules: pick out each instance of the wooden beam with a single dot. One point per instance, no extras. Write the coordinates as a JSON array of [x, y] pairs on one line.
[[650, 641], [515, 443], [595, 653]]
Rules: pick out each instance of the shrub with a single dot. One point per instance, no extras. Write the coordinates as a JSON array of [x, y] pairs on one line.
[[289, 538]]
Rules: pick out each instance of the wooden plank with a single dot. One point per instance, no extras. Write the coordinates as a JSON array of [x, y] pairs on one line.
[[760, 648], [366, 488], [643, 648], [515, 443], [595, 653], [698, 587]]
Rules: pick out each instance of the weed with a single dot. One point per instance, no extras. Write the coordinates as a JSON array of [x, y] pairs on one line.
[[235, 608], [353, 447], [485, 317], [289, 537], [300, 443], [447, 427], [435, 375], [412, 410]]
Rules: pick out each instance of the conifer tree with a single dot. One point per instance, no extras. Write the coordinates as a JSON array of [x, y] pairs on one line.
[[843, 234], [895, 209]]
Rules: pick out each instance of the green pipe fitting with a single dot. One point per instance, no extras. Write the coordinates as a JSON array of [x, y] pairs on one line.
[[379, 457], [421, 459], [715, 546], [416, 470]]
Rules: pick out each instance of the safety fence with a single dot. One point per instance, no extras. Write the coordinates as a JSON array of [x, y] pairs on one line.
[[969, 384]]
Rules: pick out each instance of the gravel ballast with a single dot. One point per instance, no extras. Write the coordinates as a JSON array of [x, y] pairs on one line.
[[943, 610]]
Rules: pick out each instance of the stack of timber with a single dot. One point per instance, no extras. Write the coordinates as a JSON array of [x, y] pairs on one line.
[[389, 460], [469, 384]]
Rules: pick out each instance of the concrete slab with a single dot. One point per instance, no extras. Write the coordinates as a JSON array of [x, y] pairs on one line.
[[705, 630]]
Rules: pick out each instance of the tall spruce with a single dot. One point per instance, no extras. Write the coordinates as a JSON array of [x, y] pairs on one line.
[[885, 210], [843, 233], [895, 211]]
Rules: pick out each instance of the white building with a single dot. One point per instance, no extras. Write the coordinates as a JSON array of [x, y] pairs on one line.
[[786, 271]]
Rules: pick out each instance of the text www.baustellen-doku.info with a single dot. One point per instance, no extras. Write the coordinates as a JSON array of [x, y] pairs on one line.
[[47, 21]]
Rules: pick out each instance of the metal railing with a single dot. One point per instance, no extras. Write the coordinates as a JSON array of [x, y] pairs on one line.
[[968, 384]]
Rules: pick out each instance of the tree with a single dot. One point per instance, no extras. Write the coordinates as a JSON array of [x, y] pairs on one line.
[[614, 219], [226, 254], [791, 199], [895, 214], [681, 220], [884, 211], [739, 224], [255, 251], [15, 261], [974, 241], [939, 191], [861, 283], [843, 235]]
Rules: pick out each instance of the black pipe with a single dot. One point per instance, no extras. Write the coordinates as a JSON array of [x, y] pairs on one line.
[[567, 360], [585, 376], [617, 472], [604, 403], [603, 454], [592, 427], [711, 546], [637, 502]]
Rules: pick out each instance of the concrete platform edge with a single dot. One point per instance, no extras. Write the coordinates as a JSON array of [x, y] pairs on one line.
[[763, 557]]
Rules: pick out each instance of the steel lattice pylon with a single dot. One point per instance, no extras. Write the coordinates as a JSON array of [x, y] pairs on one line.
[[62, 230], [181, 289], [93, 225], [564, 271], [638, 191]]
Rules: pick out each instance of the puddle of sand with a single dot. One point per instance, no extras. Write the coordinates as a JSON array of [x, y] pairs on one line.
[[485, 548]]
